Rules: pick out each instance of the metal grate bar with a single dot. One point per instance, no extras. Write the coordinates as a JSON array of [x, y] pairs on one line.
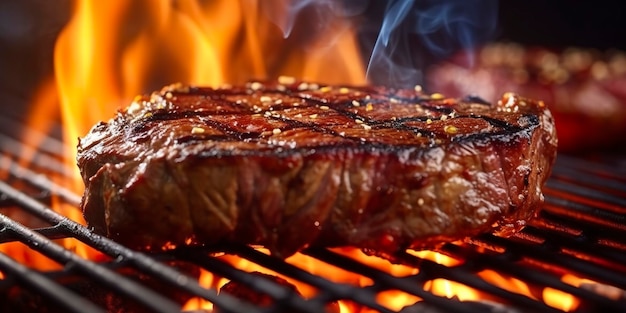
[[17, 131], [340, 291], [53, 232], [589, 173], [464, 274], [141, 261], [113, 280], [583, 177], [41, 182], [547, 253], [611, 166], [505, 263], [46, 287], [583, 244], [411, 284], [285, 297], [585, 215], [44, 161], [586, 192]]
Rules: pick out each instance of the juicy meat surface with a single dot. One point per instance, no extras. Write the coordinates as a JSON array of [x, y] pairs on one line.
[[292, 165]]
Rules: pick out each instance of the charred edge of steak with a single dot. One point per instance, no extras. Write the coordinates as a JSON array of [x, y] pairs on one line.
[[287, 166]]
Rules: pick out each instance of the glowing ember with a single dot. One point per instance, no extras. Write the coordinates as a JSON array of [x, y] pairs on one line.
[[559, 299]]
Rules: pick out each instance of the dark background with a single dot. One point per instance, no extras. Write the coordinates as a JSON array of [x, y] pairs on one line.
[[28, 29], [556, 23]]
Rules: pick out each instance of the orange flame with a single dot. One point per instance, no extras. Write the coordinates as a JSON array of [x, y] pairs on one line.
[[111, 51]]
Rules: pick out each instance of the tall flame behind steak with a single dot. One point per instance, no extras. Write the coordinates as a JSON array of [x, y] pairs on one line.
[[289, 164]]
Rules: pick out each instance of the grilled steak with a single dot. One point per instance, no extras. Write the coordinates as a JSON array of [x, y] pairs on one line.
[[291, 164]]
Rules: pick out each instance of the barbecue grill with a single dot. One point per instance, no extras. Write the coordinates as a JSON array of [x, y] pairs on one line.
[[581, 231]]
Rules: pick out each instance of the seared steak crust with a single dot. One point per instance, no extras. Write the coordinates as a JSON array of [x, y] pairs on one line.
[[290, 165]]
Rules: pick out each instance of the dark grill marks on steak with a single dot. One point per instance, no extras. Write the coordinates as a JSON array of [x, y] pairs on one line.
[[287, 166]]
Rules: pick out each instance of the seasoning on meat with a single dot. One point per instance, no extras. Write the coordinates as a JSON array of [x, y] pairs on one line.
[[371, 167]]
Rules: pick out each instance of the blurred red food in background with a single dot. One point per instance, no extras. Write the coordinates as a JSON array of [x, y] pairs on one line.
[[584, 88]]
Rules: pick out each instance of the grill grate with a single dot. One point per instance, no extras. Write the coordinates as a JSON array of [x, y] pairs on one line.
[[581, 232]]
